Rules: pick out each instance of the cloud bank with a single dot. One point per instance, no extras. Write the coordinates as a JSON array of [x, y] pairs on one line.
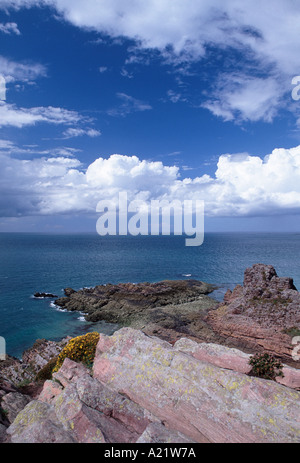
[[243, 185]]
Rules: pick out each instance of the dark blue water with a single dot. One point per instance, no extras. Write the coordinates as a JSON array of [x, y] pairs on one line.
[[49, 263]]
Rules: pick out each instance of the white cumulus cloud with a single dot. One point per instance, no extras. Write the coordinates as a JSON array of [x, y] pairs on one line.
[[243, 185]]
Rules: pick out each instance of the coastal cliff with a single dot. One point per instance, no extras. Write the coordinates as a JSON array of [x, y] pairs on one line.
[[262, 315], [180, 371]]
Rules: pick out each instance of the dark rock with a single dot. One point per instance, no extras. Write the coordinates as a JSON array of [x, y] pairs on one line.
[[44, 295], [3, 435], [115, 301], [168, 309], [69, 291]]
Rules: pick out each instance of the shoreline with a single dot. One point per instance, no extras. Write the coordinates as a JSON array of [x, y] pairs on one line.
[[172, 309], [261, 315]]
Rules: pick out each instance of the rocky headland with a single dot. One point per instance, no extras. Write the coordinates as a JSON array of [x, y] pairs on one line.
[[178, 371], [262, 315], [167, 309]]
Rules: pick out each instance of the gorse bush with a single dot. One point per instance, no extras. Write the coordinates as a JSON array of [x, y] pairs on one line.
[[265, 366], [80, 349]]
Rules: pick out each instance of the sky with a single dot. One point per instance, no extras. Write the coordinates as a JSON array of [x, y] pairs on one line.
[[164, 99]]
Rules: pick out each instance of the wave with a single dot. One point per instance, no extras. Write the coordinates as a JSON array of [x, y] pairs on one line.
[[57, 307]]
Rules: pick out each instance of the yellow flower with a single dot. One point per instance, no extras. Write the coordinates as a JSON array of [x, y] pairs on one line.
[[81, 349]]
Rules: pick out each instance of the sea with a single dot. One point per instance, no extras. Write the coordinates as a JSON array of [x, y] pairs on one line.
[[32, 262]]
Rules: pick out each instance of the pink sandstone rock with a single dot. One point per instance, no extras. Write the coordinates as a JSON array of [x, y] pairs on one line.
[[38, 424], [77, 418], [90, 411], [70, 371], [232, 359], [291, 377], [144, 389], [260, 315], [51, 389], [220, 356], [200, 400], [156, 433]]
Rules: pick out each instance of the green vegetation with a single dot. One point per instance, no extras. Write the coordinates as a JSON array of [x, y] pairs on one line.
[[265, 366], [46, 372], [294, 331], [3, 413]]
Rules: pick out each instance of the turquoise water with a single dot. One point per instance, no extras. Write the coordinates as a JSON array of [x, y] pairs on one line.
[[32, 263]]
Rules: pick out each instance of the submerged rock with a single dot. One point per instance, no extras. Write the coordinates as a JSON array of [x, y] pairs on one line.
[[44, 295]]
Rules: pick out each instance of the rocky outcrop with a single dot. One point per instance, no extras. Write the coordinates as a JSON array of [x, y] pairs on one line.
[[198, 399], [168, 309], [18, 379], [233, 359], [33, 360], [13, 403], [143, 389], [125, 302], [261, 315], [81, 409]]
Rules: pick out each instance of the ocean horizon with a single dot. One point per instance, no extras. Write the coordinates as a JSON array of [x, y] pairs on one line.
[[50, 262]]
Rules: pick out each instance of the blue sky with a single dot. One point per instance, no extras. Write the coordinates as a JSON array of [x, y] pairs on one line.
[[164, 99]]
